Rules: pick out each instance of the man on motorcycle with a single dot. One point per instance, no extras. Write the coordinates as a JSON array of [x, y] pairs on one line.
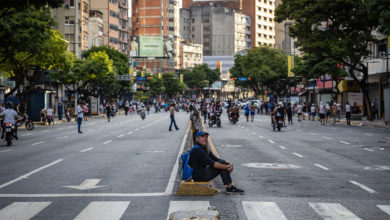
[[10, 115], [277, 113]]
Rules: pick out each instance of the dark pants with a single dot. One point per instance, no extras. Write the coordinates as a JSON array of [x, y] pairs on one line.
[[79, 120], [204, 117], [289, 116], [211, 172], [348, 116], [173, 122]]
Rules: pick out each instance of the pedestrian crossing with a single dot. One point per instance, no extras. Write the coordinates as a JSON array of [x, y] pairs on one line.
[[253, 210]]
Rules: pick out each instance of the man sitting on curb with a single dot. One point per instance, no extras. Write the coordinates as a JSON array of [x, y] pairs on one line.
[[207, 166]]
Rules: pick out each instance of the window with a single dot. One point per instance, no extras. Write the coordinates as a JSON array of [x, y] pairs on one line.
[[193, 36], [270, 36], [265, 10], [206, 28], [270, 28], [259, 26], [114, 14], [259, 8], [206, 20], [259, 17], [71, 3], [270, 19], [193, 20], [265, 36], [193, 29], [171, 28], [113, 40], [69, 38], [114, 27], [69, 20], [265, 1], [114, 2]]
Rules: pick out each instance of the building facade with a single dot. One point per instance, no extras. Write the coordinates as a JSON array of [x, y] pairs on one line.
[[72, 21], [222, 31], [262, 13], [154, 41], [190, 55], [95, 28]]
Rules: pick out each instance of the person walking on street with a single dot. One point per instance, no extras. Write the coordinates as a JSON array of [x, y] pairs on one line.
[[204, 111], [313, 112], [80, 114], [49, 115], [374, 107], [108, 112], [246, 108], [321, 111], [85, 109], [348, 113], [299, 111], [289, 114], [252, 109], [172, 116]]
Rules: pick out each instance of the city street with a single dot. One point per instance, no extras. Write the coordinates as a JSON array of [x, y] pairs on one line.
[[127, 169]]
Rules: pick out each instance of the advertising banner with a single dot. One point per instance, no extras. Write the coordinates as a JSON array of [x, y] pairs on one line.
[[151, 46], [290, 62]]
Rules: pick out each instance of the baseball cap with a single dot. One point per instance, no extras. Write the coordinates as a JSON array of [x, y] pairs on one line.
[[200, 133]]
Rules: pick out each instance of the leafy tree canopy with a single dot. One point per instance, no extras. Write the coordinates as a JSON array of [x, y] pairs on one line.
[[172, 84]]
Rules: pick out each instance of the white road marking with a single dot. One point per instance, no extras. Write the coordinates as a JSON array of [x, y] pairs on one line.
[[109, 141], [101, 210], [137, 129], [282, 147], [29, 174], [343, 142], [326, 137], [187, 205], [369, 134], [26, 134], [172, 178], [271, 141], [299, 130], [385, 208], [154, 151], [3, 151], [320, 166], [254, 133], [121, 135], [333, 211], [362, 186], [85, 150], [261, 136], [368, 149], [313, 133], [63, 137], [22, 210], [262, 211], [130, 132], [298, 155], [38, 143], [87, 184]]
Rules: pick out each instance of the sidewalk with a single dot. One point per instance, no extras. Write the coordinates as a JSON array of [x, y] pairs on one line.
[[365, 122]]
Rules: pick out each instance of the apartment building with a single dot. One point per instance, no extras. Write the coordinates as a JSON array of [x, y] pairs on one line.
[[233, 4], [95, 28], [72, 21], [155, 29], [115, 20], [190, 55], [262, 13], [222, 31]]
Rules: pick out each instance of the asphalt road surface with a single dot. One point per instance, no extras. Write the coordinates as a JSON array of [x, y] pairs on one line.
[[127, 169]]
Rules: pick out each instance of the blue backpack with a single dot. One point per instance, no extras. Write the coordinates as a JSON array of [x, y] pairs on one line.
[[187, 170]]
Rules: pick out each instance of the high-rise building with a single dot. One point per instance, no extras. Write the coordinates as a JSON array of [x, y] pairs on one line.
[[222, 31], [155, 28], [262, 13], [115, 20], [72, 21], [233, 4], [95, 28]]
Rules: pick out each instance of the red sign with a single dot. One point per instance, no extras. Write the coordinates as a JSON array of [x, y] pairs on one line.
[[321, 83]]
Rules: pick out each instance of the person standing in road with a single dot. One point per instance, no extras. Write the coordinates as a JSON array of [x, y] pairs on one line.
[[80, 114], [252, 109], [172, 110], [49, 114], [313, 112], [204, 111], [348, 113], [321, 112], [247, 108], [108, 112], [299, 111], [85, 109], [207, 166], [289, 114]]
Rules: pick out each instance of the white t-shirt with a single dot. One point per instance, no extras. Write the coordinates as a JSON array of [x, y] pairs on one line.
[[49, 112], [299, 108], [80, 112], [9, 115], [338, 106], [347, 108], [322, 111], [313, 109]]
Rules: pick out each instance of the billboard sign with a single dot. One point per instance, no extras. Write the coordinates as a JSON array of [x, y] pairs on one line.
[[151, 46]]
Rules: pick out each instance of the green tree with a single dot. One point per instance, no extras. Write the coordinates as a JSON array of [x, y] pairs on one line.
[[15, 6], [345, 38], [263, 65], [156, 86], [172, 84]]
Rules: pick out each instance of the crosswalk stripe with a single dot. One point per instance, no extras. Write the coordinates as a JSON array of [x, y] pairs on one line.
[[103, 210], [333, 211], [385, 208], [22, 210], [262, 211], [187, 205]]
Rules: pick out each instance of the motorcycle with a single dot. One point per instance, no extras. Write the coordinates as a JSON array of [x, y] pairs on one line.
[[67, 115], [143, 115], [279, 123], [215, 120], [24, 119], [9, 133], [233, 118]]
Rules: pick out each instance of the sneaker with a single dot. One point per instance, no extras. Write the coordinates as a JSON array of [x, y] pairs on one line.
[[234, 190]]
